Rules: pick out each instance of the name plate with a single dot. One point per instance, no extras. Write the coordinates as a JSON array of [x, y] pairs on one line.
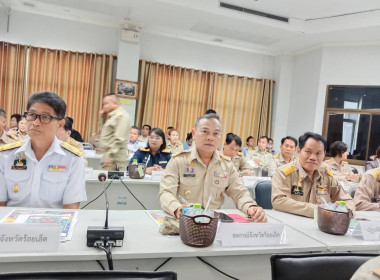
[[249, 181], [369, 230], [29, 238], [252, 234], [156, 175]]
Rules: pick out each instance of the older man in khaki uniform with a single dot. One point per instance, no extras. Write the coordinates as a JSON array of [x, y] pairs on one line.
[[368, 189], [298, 187], [202, 172], [261, 156], [114, 135], [5, 138], [287, 150]]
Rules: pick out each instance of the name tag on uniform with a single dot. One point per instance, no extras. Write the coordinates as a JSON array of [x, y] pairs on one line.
[[189, 175], [161, 162], [56, 168]]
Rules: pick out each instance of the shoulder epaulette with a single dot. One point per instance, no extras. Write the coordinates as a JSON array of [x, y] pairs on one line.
[[345, 162], [165, 151], [11, 146], [181, 152], [71, 149], [141, 140], [240, 154], [375, 173], [225, 157], [144, 149], [329, 171], [328, 160], [276, 156], [288, 169], [73, 142], [295, 157], [14, 137]]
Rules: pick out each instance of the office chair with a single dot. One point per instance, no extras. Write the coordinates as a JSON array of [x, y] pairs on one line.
[[80, 275], [354, 170], [263, 194], [264, 172], [317, 266]]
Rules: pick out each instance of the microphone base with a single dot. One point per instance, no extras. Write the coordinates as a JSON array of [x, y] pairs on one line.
[[104, 237]]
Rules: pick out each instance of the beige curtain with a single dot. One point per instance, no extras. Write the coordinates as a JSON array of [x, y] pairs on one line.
[[176, 96], [81, 79]]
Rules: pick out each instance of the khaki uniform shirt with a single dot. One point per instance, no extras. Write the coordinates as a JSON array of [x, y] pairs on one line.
[[368, 188], [7, 138], [280, 161], [365, 272], [187, 176], [293, 191], [339, 171], [266, 159], [241, 164], [114, 137], [177, 148], [21, 136]]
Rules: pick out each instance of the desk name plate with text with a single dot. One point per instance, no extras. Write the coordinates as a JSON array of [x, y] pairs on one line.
[[157, 175], [369, 230]]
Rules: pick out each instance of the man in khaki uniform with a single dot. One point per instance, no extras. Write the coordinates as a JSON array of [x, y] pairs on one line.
[[287, 151], [231, 149], [5, 138], [202, 172], [22, 131], [261, 157], [114, 135], [299, 186], [337, 164], [368, 189]]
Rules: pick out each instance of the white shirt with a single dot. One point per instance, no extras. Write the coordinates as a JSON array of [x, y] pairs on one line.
[[133, 147], [57, 179]]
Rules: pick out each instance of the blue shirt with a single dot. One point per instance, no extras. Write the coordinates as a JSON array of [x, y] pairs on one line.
[[145, 156], [186, 146]]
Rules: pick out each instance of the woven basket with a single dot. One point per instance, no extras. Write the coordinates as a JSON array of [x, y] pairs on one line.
[[198, 234], [333, 222], [134, 172]]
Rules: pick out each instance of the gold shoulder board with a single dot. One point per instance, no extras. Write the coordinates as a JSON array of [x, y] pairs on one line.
[[328, 160], [11, 146], [72, 149], [181, 152], [240, 154], [288, 169], [144, 149], [276, 156], [375, 174], [329, 171], [345, 162], [141, 140], [165, 151], [14, 137], [73, 142], [225, 157]]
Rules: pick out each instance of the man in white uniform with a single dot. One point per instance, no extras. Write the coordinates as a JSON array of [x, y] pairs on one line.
[[42, 171]]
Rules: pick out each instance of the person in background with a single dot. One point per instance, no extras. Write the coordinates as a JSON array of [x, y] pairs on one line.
[[5, 138], [287, 151], [189, 141], [298, 187], [134, 143], [374, 163], [115, 124], [22, 132], [155, 156], [145, 130], [210, 111], [231, 148], [203, 172], [42, 172], [367, 195], [173, 144], [261, 157], [167, 133], [13, 125], [94, 140], [75, 134], [338, 164], [250, 145], [270, 146]]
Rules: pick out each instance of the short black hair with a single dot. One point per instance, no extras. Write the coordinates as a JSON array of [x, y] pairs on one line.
[[289, 138], [150, 128], [207, 117], [71, 119], [378, 152], [2, 113], [160, 133], [170, 127], [49, 98], [210, 111], [303, 138], [337, 148], [263, 137], [17, 116], [189, 136], [249, 138], [233, 137], [138, 129], [68, 124]]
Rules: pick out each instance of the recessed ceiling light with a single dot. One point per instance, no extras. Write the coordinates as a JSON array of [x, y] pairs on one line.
[[28, 4], [218, 40]]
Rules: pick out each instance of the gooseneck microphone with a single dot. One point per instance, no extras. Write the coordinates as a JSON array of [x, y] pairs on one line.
[[102, 178]]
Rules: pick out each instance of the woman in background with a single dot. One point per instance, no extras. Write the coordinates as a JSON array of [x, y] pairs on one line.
[[189, 141], [173, 144], [374, 163]]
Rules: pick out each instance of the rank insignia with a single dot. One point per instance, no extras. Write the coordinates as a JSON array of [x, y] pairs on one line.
[[57, 168], [220, 174], [20, 163], [189, 169], [16, 188]]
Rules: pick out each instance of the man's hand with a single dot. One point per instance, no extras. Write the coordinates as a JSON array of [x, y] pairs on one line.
[[257, 161], [246, 174], [257, 214], [154, 167], [353, 177], [107, 163]]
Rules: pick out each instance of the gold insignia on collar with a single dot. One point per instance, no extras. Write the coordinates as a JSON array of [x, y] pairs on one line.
[[71, 149], [329, 171], [288, 169], [11, 146]]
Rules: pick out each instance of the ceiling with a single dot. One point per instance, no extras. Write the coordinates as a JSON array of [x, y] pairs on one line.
[[309, 23]]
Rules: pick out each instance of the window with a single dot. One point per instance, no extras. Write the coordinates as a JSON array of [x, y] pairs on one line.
[[352, 115]]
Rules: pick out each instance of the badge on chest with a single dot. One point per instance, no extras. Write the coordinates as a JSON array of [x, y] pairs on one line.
[[297, 189]]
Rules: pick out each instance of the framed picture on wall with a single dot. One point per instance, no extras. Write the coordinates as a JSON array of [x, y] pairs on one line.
[[126, 89]]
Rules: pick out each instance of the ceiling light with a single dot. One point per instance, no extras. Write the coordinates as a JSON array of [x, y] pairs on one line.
[[28, 4]]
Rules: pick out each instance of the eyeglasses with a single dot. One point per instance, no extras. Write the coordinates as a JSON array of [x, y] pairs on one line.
[[154, 137], [44, 118]]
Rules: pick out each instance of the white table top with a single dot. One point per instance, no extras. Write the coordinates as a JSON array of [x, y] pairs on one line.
[[335, 243], [143, 241]]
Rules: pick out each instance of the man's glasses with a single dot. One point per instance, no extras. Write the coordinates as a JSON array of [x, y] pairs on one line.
[[44, 118]]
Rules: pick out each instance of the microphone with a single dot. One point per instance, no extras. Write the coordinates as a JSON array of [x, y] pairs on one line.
[[375, 199], [102, 178]]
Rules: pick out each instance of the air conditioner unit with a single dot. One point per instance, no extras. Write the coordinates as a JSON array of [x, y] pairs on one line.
[[130, 36]]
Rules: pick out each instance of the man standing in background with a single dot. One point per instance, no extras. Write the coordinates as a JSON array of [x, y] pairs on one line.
[[114, 135], [5, 138]]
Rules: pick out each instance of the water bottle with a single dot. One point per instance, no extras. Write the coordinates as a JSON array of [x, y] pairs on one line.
[[135, 162], [195, 210], [342, 207]]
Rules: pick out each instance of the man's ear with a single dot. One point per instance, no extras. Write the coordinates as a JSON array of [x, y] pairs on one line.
[[298, 150], [193, 133], [61, 123]]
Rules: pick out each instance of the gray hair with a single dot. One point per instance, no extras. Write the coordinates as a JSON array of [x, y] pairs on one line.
[[207, 117], [2, 113]]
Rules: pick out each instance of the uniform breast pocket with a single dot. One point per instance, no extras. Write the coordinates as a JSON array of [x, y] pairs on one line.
[[17, 184], [188, 187], [53, 186], [219, 186]]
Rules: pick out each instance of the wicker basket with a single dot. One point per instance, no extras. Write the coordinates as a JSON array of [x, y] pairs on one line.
[[197, 234], [134, 172], [333, 222]]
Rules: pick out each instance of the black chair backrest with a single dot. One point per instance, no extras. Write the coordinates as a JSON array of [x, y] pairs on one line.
[[264, 172], [317, 266], [263, 194], [354, 170], [80, 275]]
